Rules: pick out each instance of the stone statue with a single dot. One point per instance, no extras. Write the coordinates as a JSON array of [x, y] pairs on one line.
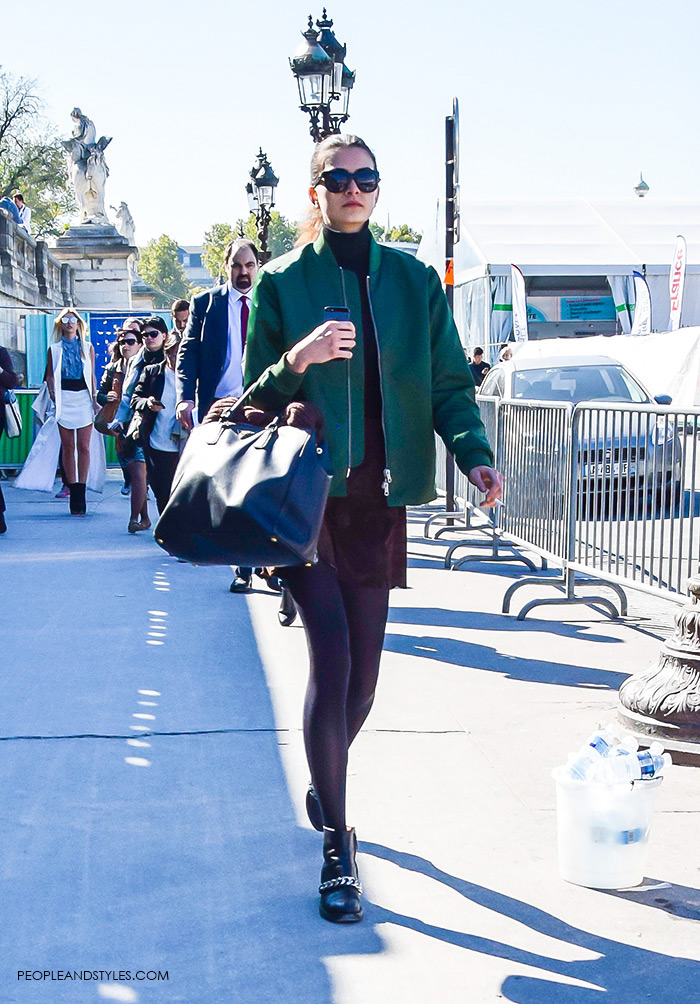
[[125, 222], [88, 168]]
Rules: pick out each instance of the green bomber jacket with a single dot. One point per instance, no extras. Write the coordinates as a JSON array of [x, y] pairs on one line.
[[425, 380]]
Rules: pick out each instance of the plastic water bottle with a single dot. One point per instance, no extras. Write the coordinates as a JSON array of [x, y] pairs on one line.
[[633, 767], [598, 746]]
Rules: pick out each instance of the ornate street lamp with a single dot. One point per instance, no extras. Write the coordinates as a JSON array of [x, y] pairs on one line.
[[323, 79], [261, 198], [663, 701], [641, 188]]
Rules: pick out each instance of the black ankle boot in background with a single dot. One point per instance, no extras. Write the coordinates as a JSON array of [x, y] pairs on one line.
[[77, 499], [288, 609], [313, 809], [340, 887]]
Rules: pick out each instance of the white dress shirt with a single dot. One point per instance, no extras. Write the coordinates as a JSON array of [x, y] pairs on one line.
[[165, 419], [231, 382], [25, 216]]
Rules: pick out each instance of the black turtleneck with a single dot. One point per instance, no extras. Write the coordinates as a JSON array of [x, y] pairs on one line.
[[156, 356], [351, 252]]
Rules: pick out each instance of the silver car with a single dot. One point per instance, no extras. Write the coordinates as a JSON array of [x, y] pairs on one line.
[[618, 450]]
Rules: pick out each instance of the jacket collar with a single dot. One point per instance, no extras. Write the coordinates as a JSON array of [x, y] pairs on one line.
[[326, 255]]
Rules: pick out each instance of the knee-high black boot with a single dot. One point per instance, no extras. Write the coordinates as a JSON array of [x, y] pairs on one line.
[[77, 499], [340, 886]]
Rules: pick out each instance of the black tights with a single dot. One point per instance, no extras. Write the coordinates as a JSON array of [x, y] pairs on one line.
[[345, 631]]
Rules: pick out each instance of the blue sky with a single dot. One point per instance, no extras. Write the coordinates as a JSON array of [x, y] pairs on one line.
[[555, 98]]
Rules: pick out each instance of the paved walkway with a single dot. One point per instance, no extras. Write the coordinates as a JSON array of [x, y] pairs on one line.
[[152, 778]]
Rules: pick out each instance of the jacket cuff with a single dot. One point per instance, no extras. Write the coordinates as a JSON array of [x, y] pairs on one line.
[[476, 458], [284, 379]]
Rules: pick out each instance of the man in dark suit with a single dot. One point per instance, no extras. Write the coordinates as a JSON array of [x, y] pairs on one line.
[[209, 360], [211, 350]]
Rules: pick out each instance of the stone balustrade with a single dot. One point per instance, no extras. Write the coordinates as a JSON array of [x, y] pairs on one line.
[[29, 274]]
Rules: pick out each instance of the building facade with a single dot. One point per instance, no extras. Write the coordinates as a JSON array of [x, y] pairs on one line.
[[33, 282]]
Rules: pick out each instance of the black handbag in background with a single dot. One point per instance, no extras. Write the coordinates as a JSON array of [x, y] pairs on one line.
[[141, 426], [245, 495]]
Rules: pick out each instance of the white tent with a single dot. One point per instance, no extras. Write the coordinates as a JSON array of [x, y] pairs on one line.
[[577, 256]]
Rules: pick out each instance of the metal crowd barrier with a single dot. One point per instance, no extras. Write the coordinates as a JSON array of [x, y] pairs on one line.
[[633, 503], [607, 493], [486, 527], [13, 452], [636, 495]]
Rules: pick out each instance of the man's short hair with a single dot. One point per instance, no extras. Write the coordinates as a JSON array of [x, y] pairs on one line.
[[478, 351], [18, 195], [178, 306], [235, 246]]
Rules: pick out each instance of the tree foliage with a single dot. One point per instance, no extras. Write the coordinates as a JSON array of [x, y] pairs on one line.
[[282, 234], [32, 160], [216, 240], [159, 267], [403, 233]]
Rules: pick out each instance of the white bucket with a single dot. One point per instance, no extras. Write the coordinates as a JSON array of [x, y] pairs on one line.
[[603, 830]]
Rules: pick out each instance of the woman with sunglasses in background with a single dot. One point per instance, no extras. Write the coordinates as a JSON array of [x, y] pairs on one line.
[[105, 392], [154, 333], [70, 377], [128, 360], [154, 396], [384, 380]]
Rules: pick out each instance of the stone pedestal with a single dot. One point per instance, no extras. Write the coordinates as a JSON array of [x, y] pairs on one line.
[[100, 258]]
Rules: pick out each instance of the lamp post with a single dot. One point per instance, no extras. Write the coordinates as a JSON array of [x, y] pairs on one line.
[[323, 79], [451, 238], [261, 198], [663, 700]]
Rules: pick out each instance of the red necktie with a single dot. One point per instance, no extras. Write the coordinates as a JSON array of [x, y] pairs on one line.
[[244, 320]]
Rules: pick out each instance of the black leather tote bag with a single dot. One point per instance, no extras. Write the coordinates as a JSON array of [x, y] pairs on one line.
[[245, 495]]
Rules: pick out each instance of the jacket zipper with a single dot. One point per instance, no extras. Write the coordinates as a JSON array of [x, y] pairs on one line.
[[347, 383], [387, 472]]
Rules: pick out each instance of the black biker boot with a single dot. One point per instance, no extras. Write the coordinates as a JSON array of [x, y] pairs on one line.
[[77, 499], [340, 887]]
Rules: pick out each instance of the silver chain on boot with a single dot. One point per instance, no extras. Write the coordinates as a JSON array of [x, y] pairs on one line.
[[337, 883]]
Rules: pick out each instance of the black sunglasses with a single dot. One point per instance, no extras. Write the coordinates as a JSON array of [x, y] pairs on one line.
[[152, 334], [337, 179], [128, 341]]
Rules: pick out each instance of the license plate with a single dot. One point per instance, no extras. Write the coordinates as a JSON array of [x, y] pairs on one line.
[[607, 470]]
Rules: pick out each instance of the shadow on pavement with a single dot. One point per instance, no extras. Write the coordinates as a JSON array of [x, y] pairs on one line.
[[482, 621], [626, 974], [678, 900], [473, 656], [131, 848]]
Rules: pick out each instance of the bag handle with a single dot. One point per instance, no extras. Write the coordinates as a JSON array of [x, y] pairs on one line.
[[245, 396]]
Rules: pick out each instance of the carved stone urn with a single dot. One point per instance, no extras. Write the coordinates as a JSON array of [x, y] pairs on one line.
[[663, 701]]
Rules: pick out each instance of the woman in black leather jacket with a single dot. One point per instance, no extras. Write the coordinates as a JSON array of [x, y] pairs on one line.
[[154, 396]]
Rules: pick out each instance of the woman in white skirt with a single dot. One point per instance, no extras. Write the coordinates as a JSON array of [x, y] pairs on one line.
[[70, 377]]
